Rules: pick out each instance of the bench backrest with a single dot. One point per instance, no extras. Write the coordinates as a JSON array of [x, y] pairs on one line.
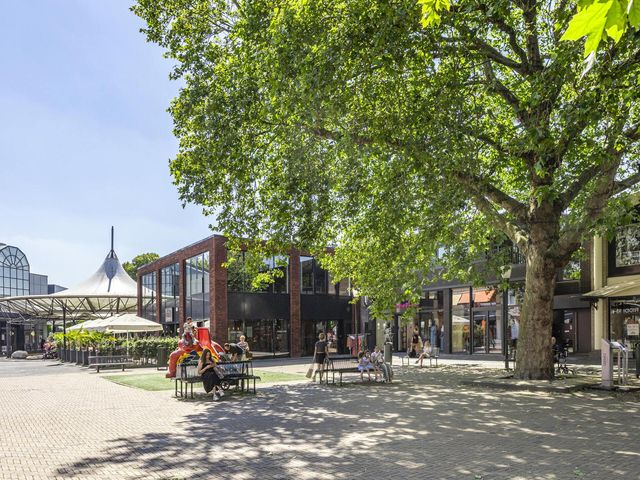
[[190, 369], [109, 359], [187, 370], [240, 367], [338, 363]]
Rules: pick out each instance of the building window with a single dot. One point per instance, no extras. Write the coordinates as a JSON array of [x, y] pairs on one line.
[[314, 278], [249, 273], [460, 328], [197, 287], [266, 337], [624, 321], [149, 296], [14, 272], [169, 285]]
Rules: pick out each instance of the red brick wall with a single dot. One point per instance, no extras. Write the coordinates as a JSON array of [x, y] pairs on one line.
[[182, 294], [294, 301], [218, 291]]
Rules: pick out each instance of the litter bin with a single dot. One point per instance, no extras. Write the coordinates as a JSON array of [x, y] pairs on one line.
[[387, 353], [162, 358]]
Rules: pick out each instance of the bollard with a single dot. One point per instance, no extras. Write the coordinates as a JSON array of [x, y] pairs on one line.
[[387, 353]]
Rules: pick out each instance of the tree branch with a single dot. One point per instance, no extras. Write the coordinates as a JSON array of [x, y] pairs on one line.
[[633, 132], [530, 14], [490, 192], [622, 185], [498, 87], [570, 238], [501, 223], [511, 35]]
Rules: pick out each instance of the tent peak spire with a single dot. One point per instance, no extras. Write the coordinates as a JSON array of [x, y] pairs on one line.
[[112, 253]]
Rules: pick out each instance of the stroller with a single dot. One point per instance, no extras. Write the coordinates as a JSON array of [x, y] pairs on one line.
[[50, 351]]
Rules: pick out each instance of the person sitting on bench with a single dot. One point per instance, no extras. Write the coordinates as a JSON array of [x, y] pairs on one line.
[[210, 378], [427, 351]]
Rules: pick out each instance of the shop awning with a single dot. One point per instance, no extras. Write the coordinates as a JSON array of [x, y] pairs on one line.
[[479, 296], [625, 289]]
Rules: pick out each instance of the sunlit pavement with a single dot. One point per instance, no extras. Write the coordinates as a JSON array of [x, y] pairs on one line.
[[62, 421]]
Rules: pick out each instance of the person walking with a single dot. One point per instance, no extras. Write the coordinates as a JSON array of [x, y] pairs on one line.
[[320, 353], [515, 331]]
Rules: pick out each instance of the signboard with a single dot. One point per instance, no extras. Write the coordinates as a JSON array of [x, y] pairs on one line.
[[628, 246], [633, 329]]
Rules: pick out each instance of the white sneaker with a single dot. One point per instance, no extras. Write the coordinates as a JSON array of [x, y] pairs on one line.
[[220, 393], [215, 397]]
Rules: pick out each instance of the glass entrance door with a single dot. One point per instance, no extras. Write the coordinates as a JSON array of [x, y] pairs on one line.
[[333, 329]]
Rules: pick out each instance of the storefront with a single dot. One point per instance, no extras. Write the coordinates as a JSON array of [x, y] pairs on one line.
[[624, 321]]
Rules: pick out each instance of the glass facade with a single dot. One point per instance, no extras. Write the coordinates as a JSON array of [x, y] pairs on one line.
[[197, 287], [333, 330], [315, 280], [460, 315], [169, 285], [624, 321], [431, 319], [149, 296], [38, 284], [14, 272], [243, 270], [487, 320], [266, 337]]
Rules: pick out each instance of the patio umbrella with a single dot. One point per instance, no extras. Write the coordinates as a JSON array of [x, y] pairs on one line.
[[129, 323], [88, 325]]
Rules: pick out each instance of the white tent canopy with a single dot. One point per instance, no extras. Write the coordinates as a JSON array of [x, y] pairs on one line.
[[109, 291]]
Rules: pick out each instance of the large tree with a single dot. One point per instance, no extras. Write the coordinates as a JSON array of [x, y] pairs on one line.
[[349, 123]]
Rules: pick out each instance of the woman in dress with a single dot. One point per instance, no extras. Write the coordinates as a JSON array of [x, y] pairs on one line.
[[210, 379]]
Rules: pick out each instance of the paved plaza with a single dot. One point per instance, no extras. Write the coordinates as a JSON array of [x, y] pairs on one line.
[[60, 421]]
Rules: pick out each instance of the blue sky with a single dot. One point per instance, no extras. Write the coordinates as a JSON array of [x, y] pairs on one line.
[[85, 138]]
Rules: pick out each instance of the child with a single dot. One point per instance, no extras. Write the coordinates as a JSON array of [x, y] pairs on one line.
[[364, 364], [426, 352], [376, 360]]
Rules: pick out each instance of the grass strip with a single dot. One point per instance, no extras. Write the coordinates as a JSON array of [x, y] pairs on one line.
[[157, 382]]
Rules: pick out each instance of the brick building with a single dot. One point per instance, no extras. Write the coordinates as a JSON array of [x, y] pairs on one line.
[[283, 318]]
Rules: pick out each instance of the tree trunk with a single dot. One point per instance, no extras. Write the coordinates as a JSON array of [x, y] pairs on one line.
[[534, 359]]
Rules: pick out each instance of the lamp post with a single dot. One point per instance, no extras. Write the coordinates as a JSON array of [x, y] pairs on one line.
[[506, 275]]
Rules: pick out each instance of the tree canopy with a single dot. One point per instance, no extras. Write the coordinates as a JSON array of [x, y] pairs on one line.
[[350, 123], [132, 267]]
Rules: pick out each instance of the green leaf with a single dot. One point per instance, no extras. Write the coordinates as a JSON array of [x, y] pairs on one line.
[[633, 12], [616, 21], [589, 22], [431, 9]]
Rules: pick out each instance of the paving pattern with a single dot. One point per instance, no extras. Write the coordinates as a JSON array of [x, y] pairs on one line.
[[65, 422]]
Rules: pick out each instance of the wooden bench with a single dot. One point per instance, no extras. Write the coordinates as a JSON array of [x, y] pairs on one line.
[[239, 373], [99, 361]]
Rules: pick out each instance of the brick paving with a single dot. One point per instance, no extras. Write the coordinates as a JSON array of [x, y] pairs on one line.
[[65, 422]]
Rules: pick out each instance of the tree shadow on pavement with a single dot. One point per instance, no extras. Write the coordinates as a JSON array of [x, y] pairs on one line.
[[425, 426]]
